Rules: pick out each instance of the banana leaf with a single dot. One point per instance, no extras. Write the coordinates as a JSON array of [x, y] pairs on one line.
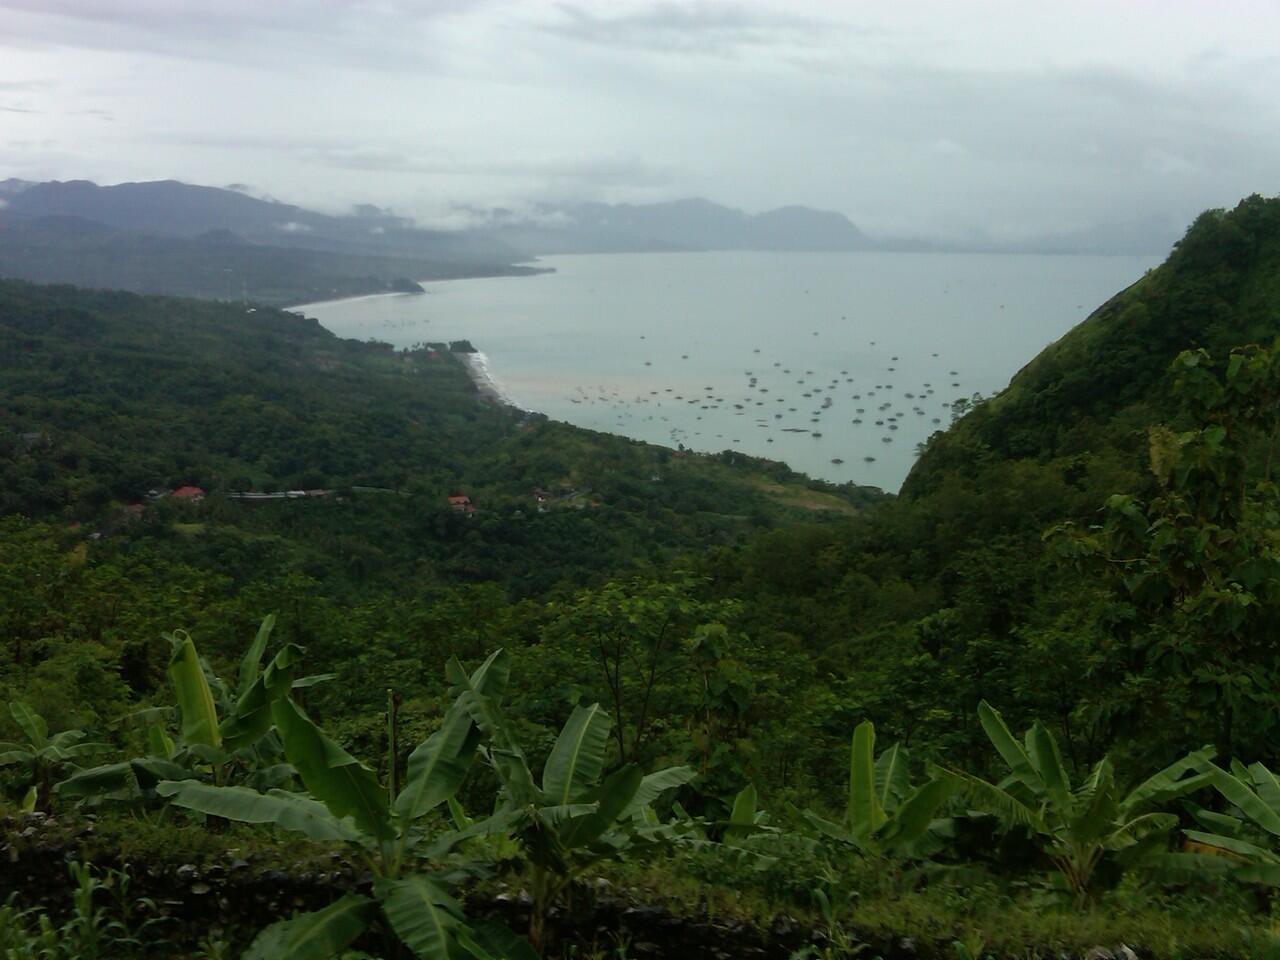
[[438, 765], [195, 700], [290, 811], [577, 758], [334, 777], [314, 936]]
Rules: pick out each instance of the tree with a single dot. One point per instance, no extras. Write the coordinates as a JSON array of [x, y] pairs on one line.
[[1199, 565], [42, 755], [344, 802], [1076, 827], [884, 815], [575, 816]]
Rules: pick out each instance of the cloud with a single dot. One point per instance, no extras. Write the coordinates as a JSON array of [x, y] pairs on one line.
[[598, 170], [716, 29]]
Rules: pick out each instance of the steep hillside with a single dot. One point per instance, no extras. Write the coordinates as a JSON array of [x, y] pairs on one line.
[[1219, 288]]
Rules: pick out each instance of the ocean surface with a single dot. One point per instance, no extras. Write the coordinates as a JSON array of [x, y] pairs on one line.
[[839, 364]]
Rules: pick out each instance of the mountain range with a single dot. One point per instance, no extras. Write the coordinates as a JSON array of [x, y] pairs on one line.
[[177, 238]]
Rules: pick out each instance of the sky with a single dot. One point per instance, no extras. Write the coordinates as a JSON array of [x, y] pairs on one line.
[[940, 118]]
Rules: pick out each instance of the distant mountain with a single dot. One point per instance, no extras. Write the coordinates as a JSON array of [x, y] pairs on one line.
[[13, 186], [217, 264], [177, 238], [171, 208], [691, 224]]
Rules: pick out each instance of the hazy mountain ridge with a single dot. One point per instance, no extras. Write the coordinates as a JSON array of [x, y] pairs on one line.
[[174, 238], [689, 224]]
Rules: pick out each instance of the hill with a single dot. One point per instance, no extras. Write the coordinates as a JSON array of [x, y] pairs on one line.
[[1220, 287], [173, 209], [181, 239], [217, 265], [690, 224]]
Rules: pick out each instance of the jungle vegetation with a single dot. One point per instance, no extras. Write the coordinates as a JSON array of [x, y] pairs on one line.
[[1092, 556]]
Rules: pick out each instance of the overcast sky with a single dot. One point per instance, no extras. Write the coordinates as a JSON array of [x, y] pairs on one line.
[[1002, 118]]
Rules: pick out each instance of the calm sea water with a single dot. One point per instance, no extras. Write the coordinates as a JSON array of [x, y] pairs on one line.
[[806, 358]]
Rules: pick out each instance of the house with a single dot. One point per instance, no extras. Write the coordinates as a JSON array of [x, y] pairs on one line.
[[461, 503], [189, 494]]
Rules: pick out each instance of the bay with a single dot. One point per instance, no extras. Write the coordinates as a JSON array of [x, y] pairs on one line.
[[808, 358]]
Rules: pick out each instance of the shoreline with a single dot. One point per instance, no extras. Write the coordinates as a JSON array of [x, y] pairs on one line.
[[512, 270], [476, 364]]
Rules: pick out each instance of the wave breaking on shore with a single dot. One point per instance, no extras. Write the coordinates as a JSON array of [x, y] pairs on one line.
[[477, 367]]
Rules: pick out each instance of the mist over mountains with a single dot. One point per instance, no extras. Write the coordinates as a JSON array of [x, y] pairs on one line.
[[177, 238]]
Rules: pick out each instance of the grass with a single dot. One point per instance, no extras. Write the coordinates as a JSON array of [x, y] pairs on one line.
[[803, 498]]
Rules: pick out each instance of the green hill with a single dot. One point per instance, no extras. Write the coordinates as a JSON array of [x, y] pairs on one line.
[[1219, 288]]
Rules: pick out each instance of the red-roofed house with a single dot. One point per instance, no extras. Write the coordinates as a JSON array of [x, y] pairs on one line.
[[190, 494], [462, 503]]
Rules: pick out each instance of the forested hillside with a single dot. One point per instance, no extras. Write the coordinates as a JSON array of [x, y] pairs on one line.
[[1093, 555]]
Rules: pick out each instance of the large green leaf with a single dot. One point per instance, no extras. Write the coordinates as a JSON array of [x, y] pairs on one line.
[[195, 700], [492, 940], [616, 794], [248, 672], [864, 813], [992, 799], [836, 831], [251, 717], [1137, 829], [334, 777], [1268, 786], [127, 780], [291, 811], [578, 755], [480, 694], [422, 914], [742, 818], [1231, 845], [314, 936], [32, 724], [79, 751], [1248, 802], [1043, 750], [1008, 747], [159, 743], [1095, 810], [655, 784], [439, 765], [1168, 784], [893, 781], [916, 814]]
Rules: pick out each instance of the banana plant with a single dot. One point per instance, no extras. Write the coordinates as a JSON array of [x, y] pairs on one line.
[[1077, 827], [573, 816], [344, 802], [42, 755], [1243, 842], [884, 815], [224, 732]]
